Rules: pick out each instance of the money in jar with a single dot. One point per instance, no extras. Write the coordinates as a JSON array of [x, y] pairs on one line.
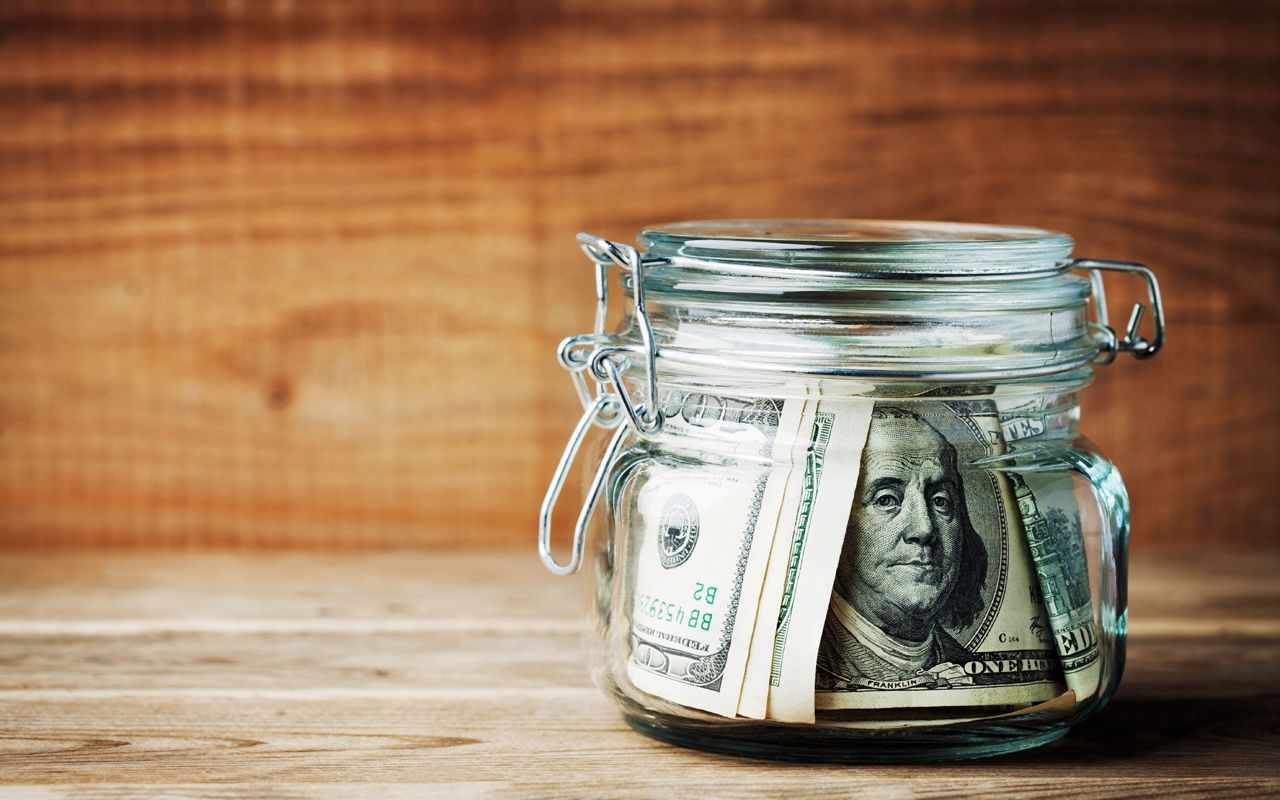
[[844, 510]]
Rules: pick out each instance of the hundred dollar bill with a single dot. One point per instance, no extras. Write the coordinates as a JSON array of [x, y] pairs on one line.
[[1050, 518], [1052, 523], [707, 527], [936, 601], [784, 648]]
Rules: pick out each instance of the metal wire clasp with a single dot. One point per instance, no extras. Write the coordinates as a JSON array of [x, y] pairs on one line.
[[600, 355], [594, 413], [1132, 341], [607, 363]]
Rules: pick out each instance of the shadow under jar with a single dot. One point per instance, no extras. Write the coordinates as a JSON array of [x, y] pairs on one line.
[[845, 511]]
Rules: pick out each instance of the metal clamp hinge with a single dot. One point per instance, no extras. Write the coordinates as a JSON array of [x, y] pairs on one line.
[[608, 361], [1132, 342], [602, 357]]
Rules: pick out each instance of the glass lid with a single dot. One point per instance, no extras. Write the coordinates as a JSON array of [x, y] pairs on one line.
[[852, 247]]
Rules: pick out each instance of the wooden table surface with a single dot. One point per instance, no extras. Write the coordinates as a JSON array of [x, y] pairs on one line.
[[461, 674]]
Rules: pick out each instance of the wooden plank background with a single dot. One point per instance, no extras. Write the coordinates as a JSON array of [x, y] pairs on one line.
[[291, 273]]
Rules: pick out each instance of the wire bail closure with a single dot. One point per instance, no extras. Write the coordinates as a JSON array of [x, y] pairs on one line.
[[599, 354], [595, 414], [1132, 341]]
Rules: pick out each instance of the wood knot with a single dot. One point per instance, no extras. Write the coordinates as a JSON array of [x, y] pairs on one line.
[[279, 394]]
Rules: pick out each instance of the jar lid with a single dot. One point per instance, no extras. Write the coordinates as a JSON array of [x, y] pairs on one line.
[[893, 300], [863, 248], [866, 298]]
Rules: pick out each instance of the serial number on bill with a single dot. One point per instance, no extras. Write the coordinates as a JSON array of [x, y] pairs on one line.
[[661, 610]]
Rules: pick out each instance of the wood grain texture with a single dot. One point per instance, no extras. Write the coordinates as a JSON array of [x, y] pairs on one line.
[[1218, 591], [291, 274], [315, 686], [383, 663]]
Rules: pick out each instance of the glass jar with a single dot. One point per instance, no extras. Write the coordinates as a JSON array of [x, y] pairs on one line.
[[845, 512]]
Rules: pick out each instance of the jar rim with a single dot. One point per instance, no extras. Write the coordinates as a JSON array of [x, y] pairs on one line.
[[864, 298], [859, 247]]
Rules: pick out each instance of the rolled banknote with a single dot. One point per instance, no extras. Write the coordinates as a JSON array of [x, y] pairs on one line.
[[754, 700], [780, 673], [936, 601], [1050, 518], [1052, 523], [702, 535]]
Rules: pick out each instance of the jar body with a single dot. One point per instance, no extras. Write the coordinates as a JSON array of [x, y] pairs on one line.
[[969, 601]]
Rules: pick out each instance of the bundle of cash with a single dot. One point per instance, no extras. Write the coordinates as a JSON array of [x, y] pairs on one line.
[[833, 555]]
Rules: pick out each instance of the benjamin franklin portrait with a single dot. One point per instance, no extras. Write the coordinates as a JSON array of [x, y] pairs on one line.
[[912, 565]]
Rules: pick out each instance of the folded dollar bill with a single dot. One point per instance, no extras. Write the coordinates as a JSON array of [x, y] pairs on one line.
[[707, 527], [936, 601], [1050, 518]]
